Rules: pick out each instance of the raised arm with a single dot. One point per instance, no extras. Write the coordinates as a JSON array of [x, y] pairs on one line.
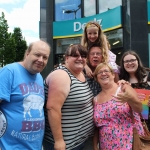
[[88, 71], [59, 87], [130, 96]]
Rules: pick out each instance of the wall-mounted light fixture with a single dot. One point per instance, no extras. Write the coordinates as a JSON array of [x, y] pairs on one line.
[[72, 11]]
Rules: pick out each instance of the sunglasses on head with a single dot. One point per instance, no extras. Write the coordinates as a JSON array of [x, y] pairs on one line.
[[77, 56]]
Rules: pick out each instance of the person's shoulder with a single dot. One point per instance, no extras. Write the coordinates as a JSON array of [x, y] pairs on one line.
[[58, 77], [58, 73], [9, 67]]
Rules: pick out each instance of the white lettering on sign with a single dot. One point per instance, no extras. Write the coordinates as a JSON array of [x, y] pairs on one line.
[[78, 26]]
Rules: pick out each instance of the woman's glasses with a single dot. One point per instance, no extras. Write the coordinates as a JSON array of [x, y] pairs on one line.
[[129, 61], [104, 71]]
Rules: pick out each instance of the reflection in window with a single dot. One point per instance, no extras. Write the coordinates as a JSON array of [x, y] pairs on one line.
[[115, 38], [89, 8], [43, 30], [62, 44], [67, 9], [43, 14], [105, 5], [43, 3]]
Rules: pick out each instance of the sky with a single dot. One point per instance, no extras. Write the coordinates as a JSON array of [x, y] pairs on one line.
[[24, 14]]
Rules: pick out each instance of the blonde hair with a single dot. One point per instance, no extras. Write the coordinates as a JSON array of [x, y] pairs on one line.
[[101, 65], [101, 41]]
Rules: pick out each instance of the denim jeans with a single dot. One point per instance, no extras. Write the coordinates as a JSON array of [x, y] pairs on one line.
[[50, 146]]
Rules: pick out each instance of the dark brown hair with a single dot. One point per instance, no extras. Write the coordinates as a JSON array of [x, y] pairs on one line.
[[140, 72], [72, 50]]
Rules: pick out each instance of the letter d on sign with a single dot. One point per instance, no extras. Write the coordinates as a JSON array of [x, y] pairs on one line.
[[77, 26]]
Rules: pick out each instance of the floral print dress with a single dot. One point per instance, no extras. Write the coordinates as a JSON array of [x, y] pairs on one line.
[[115, 125]]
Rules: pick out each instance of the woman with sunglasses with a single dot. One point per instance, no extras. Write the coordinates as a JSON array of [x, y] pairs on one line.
[[69, 109], [112, 112], [133, 71]]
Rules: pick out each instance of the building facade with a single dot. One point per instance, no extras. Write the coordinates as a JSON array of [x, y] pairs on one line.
[[125, 22]]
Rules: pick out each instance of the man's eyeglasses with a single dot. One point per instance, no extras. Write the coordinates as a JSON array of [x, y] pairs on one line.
[[77, 56], [129, 61], [104, 71], [97, 54]]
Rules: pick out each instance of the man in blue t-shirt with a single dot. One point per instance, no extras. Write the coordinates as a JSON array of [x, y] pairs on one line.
[[21, 100]]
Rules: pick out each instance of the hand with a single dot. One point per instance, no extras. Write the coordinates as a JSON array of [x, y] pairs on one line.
[[125, 94], [90, 75], [141, 96], [89, 72], [96, 147], [148, 101], [120, 82], [60, 145]]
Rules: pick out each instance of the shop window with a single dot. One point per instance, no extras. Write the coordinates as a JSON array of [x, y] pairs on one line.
[[43, 3], [42, 30], [43, 14], [89, 8], [62, 44], [148, 28], [105, 5], [115, 38], [67, 10]]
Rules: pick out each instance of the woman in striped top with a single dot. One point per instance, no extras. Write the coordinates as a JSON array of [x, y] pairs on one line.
[[69, 114]]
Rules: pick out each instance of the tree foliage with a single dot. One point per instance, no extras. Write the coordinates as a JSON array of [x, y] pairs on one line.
[[9, 52], [21, 44], [3, 37], [12, 45]]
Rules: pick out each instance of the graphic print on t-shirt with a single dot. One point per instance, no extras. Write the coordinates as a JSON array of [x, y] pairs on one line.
[[32, 124], [3, 124]]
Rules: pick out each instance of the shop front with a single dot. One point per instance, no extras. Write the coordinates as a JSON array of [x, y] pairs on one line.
[[70, 32]]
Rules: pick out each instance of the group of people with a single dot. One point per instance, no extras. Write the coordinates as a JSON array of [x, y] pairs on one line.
[[82, 98]]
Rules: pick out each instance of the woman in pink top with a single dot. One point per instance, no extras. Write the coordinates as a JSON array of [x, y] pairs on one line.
[[112, 115]]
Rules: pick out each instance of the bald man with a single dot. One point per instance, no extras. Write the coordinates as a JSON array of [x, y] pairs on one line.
[[22, 100]]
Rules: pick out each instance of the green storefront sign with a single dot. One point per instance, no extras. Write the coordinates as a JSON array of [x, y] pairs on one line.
[[148, 10], [108, 20]]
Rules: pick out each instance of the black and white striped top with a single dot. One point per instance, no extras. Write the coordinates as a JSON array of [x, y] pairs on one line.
[[77, 114]]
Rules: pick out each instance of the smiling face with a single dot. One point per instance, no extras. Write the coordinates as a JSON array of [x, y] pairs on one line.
[[130, 63], [105, 76], [36, 59], [76, 62], [92, 33], [95, 56]]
